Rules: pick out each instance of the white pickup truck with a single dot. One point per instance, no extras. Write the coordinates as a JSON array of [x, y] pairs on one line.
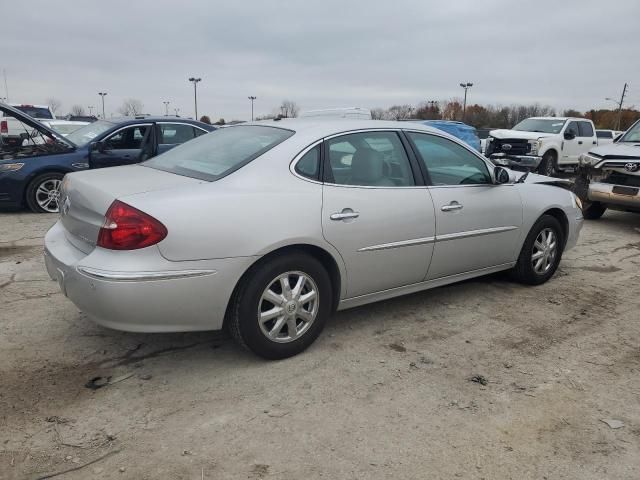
[[13, 132], [543, 144]]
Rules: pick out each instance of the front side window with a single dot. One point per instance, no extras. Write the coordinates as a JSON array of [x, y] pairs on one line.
[[219, 153], [372, 159], [449, 163], [128, 138], [572, 128], [585, 128], [175, 133]]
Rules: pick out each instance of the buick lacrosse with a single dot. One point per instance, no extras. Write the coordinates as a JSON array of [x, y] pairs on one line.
[[267, 228]]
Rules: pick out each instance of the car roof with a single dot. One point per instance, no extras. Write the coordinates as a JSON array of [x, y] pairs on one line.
[[152, 118], [320, 127]]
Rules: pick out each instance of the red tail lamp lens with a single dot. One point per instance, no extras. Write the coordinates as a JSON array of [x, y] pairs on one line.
[[127, 228]]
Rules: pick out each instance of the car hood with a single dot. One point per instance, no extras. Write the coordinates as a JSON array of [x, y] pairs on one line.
[[618, 150], [33, 123], [503, 133]]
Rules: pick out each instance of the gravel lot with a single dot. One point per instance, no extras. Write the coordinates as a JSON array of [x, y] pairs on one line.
[[386, 392]]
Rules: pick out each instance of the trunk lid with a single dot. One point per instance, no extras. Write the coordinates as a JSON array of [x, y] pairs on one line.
[[86, 197]]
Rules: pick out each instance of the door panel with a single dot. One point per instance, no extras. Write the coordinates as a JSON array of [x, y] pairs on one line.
[[477, 227], [124, 147], [571, 149], [388, 244]]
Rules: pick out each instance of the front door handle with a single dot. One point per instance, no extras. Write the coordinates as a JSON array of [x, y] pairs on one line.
[[345, 214], [451, 207], [579, 142]]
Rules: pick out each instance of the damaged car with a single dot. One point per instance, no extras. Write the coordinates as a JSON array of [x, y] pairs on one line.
[[266, 228], [35, 158], [608, 176]]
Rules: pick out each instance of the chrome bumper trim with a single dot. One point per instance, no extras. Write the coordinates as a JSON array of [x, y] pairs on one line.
[[142, 276]]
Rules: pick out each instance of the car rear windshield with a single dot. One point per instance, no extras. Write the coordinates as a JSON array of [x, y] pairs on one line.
[[540, 125], [88, 133], [220, 152], [35, 112]]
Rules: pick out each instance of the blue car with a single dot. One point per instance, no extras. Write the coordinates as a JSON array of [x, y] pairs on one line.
[[464, 132], [32, 169]]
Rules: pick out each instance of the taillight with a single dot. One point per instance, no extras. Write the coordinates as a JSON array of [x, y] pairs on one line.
[[4, 127], [127, 228]]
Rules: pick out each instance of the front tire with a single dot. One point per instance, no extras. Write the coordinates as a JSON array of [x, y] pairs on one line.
[[548, 166], [43, 193], [281, 306], [593, 210], [541, 252]]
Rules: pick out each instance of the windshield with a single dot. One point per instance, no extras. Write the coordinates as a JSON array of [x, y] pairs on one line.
[[86, 134], [540, 125], [65, 128], [35, 112], [633, 134], [220, 152]]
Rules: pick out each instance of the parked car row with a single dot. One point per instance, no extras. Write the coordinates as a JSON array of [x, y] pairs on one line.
[[31, 169]]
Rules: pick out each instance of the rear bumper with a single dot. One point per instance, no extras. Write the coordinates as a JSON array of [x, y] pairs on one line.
[[156, 296], [526, 161], [604, 193]]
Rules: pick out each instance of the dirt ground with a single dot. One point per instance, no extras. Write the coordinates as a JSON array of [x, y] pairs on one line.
[[386, 392]]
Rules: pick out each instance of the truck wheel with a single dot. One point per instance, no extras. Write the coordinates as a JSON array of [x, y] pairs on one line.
[[43, 193], [593, 210], [548, 165]]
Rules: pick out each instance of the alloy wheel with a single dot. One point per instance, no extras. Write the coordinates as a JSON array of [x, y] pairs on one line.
[[545, 249], [288, 307], [48, 195]]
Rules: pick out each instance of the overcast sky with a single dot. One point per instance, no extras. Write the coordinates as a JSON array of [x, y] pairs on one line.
[[321, 54]]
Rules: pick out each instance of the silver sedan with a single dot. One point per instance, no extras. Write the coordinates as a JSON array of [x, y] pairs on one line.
[[267, 228]]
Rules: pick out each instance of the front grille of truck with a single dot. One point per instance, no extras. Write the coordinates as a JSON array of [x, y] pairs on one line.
[[518, 147], [621, 179]]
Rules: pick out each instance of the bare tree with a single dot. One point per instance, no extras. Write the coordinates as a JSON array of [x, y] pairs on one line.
[[78, 110], [399, 112], [54, 104], [131, 107], [289, 109], [377, 113]]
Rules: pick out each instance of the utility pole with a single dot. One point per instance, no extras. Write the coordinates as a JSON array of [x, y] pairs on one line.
[[195, 81], [252, 98], [6, 89], [166, 108], [466, 86], [624, 92], [102, 95]]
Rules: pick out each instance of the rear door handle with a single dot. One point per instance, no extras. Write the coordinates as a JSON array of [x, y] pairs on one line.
[[579, 142], [451, 207], [345, 214]]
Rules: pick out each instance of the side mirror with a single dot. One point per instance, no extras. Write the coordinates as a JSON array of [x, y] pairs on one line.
[[98, 146], [501, 176], [569, 135]]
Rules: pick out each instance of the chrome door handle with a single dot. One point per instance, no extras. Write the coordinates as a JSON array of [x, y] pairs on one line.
[[344, 215], [452, 206]]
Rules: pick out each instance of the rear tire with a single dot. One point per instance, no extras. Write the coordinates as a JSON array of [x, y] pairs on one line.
[[268, 319], [593, 210], [540, 258], [548, 166], [43, 193]]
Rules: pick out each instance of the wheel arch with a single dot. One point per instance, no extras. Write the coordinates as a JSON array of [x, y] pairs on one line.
[[553, 149], [334, 268], [562, 218]]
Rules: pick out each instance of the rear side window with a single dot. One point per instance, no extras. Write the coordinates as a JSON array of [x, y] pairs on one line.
[[175, 133], [449, 163], [309, 165], [586, 130], [221, 152]]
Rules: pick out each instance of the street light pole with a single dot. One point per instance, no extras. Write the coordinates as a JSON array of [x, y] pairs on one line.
[[177, 110], [90, 107], [466, 86], [166, 108], [102, 95], [252, 98], [195, 81]]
